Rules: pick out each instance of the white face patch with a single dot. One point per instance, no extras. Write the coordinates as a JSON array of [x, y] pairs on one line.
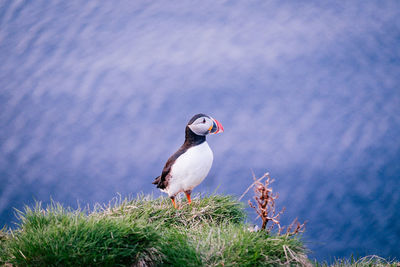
[[201, 126]]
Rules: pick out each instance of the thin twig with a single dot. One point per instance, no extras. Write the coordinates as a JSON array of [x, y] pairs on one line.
[[255, 181], [265, 207]]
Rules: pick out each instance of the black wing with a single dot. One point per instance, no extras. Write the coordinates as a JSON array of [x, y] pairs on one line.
[[163, 180]]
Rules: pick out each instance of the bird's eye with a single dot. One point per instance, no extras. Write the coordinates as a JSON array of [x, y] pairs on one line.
[[204, 120]]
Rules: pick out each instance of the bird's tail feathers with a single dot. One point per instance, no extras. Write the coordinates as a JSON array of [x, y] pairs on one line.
[[157, 180]]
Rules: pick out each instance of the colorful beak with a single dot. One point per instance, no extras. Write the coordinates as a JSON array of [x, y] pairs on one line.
[[217, 127]]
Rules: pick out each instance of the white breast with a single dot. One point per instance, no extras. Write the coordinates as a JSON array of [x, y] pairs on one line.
[[190, 169]]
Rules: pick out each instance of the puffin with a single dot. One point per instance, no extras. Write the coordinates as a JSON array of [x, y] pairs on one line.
[[189, 166]]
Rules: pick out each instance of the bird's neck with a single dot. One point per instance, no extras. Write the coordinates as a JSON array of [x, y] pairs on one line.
[[193, 139]]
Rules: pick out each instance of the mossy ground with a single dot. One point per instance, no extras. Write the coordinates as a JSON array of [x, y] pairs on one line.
[[146, 232], [150, 232], [367, 261]]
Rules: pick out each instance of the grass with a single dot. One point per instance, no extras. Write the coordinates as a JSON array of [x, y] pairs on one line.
[[57, 236], [145, 232], [367, 261]]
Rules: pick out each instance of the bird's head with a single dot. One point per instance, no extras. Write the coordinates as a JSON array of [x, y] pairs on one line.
[[202, 125]]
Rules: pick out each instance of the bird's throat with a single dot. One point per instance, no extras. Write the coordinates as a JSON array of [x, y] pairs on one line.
[[193, 139]]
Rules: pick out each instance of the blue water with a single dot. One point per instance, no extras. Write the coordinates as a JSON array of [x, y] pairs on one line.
[[94, 97]]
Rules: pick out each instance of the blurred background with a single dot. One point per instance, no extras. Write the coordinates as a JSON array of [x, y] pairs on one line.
[[95, 96]]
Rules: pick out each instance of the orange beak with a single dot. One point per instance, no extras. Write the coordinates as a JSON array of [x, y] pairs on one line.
[[216, 127]]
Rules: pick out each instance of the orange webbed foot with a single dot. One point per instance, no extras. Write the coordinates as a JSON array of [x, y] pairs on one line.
[[188, 196], [173, 202]]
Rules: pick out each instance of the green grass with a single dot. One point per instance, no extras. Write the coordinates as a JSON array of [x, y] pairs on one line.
[[367, 261], [145, 232]]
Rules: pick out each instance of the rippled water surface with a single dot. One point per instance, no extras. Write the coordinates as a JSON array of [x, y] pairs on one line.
[[94, 97]]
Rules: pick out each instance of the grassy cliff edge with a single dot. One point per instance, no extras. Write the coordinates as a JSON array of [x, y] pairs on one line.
[[146, 232]]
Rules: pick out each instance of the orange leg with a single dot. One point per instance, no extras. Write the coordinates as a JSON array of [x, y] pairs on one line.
[[173, 202], [188, 196]]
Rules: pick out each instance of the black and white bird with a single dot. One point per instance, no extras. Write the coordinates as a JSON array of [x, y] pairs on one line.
[[188, 166]]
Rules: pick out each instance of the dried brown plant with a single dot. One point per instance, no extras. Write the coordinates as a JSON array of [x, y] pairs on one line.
[[265, 207], [294, 228]]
